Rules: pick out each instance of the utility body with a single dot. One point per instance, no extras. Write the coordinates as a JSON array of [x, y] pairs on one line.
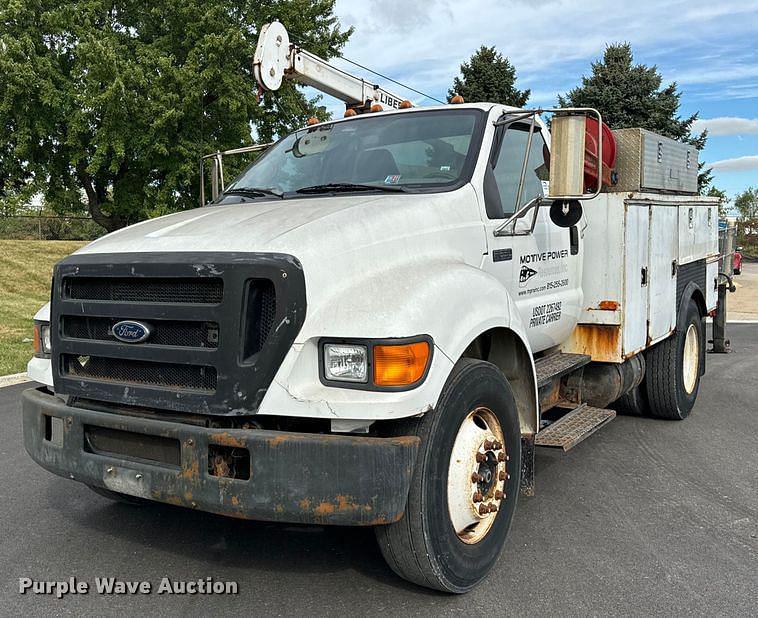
[[379, 320]]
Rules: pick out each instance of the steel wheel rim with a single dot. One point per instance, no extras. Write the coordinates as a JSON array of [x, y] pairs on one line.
[[477, 475], [691, 359]]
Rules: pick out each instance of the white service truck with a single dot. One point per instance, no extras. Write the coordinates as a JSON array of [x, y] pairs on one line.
[[379, 320]]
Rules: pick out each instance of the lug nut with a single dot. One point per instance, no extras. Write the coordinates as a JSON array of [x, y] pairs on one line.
[[483, 510], [498, 445], [478, 497], [481, 457], [493, 508], [499, 495], [501, 456], [488, 445], [475, 478], [502, 476]]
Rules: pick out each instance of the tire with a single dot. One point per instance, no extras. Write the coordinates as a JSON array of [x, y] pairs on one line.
[[424, 547], [672, 377], [119, 497], [633, 403]]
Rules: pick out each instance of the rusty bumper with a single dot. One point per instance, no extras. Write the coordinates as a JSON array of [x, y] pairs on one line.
[[291, 477]]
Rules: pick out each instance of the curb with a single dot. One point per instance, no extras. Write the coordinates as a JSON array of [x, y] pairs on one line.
[[14, 378]]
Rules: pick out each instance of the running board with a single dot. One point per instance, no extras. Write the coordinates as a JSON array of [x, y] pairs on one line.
[[558, 365], [571, 429]]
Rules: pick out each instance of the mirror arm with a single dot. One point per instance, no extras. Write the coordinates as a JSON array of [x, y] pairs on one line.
[[533, 203]]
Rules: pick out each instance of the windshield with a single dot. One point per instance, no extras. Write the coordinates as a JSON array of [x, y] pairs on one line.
[[413, 150]]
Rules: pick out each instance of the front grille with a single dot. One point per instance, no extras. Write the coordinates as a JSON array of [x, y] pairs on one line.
[[165, 332], [207, 291], [126, 371], [220, 325]]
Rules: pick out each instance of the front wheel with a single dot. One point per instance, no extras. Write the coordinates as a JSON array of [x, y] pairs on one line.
[[465, 484]]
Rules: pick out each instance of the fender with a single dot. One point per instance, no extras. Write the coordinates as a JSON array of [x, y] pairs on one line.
[[451, 301]]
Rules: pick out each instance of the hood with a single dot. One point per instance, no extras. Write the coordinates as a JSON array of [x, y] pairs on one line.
[[312, 227], [244, 226]]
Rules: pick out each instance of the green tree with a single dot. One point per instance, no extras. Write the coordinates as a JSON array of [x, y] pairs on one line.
[[630, 95], [106, 106], [746, 204], [716, 192], [489, 77]]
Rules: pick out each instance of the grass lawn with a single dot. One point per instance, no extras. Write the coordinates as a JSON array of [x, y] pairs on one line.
[[26, 267]]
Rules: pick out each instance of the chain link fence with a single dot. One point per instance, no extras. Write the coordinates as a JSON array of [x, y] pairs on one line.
[[48, 227]]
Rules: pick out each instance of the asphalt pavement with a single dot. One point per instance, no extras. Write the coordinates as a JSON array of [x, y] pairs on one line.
[[645, 517]]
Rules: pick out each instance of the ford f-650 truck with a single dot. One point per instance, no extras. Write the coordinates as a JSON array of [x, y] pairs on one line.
[[379, 320]]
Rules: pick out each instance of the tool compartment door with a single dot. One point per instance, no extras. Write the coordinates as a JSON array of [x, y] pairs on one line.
[[636, 278], [663, 248]]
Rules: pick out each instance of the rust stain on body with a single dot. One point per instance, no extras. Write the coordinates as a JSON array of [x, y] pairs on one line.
[[227, 439], [601, 342]]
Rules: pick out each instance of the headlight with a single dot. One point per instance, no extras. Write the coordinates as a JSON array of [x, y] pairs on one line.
[[376, 364], [42, 344], [346, 362]]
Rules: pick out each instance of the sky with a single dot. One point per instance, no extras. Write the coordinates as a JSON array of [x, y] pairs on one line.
[[709, 48]]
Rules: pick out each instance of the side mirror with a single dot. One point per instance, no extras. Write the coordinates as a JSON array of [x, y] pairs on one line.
[[566, 213], [567, 156], [583, 154]]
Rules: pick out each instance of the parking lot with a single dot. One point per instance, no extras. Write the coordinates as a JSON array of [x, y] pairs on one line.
[[644, 517]]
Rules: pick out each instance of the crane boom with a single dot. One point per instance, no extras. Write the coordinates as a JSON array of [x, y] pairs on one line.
[[276, 59]]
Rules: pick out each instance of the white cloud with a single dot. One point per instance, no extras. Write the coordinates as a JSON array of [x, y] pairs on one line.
[[738, 164], [727, 125], [423, 43]]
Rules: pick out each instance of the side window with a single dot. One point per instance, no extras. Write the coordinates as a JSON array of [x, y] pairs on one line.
[[507, 169]]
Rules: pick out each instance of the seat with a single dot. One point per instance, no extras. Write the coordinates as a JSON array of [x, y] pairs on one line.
[[375, 165]]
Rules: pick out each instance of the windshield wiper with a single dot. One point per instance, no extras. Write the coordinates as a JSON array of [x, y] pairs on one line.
[[349, 186], [253, 192]]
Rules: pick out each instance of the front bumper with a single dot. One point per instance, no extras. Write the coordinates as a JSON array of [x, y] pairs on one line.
[[294, 477]]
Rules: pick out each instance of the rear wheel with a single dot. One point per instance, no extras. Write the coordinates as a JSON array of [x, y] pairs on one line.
[[465, 485], [672, 377], [632, 403]]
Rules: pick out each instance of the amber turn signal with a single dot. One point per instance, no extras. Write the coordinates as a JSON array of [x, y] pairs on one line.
[[37, 344], [400, 365]]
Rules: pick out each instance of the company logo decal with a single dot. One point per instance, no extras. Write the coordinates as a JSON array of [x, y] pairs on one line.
[[130, 331], [525, 274]]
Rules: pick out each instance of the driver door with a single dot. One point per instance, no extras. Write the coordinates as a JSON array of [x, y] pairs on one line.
[[538, 262]]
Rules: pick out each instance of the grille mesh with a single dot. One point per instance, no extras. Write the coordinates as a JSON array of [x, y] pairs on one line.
[[145, 290], [126, 371], [165, 332], [266, 312]]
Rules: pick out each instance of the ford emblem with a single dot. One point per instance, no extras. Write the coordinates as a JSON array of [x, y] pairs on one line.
[[130, 331]]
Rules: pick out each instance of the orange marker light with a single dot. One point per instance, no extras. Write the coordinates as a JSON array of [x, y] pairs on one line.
[[376, 108], [609, 305], [400, 365], [457, 99], [405, 104], [312, 120], [349, 113], [36, 339]]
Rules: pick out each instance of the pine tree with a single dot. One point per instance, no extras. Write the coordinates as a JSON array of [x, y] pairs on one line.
[[630, 95], [489, 77]]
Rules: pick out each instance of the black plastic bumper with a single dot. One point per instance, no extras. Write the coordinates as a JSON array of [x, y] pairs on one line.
[[294, 477]]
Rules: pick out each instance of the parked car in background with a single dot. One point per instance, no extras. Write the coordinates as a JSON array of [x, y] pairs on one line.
[[737, 261]]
